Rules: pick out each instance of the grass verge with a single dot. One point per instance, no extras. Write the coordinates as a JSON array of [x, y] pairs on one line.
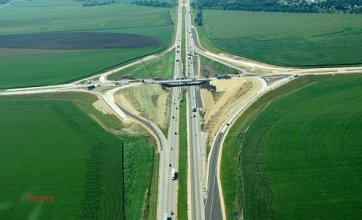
[[138, 165], [213, 68], [151, 209]]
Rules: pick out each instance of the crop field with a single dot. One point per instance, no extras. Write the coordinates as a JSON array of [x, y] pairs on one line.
[[60, 152], [53, 42], [77, 41], [52, 68], [285, 39], [299, 152], [161, 68]]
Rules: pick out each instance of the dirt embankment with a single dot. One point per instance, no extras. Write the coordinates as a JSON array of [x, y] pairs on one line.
[[219, 104], [130, 127], [252, 65], [148, 101]]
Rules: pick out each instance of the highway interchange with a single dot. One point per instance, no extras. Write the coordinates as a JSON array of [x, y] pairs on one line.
[[205, 199]]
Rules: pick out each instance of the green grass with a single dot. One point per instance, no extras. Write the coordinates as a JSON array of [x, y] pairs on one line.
[[300, 156], [55, 68], [52, 146], [182, 190], [138, 161], [161, 68], [209, 67], [287, 39], [52, 67]]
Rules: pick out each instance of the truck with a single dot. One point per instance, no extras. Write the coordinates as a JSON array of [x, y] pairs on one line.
[[173, 174]]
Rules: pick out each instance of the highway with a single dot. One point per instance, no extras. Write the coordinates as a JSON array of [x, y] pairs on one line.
[[205, 199], [197, 150], [169, 156]]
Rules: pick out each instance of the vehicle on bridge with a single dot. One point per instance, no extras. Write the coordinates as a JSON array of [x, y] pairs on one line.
[[223, 77]]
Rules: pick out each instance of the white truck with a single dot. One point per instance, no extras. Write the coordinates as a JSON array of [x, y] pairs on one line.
[[173, 174]]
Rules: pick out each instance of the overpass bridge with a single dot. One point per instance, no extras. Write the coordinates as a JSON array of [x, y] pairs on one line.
[[178, 82]]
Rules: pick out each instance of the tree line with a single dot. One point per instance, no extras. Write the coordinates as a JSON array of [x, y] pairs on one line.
[[89, 3], [198, 18], [154, 4], [4, 2], [300, 6]]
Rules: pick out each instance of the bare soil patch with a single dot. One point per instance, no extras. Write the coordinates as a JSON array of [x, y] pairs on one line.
[[148, 101], [219, 104], [77, 41]]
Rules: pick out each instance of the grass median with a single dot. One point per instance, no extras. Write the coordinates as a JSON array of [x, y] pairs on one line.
[[182, 190]]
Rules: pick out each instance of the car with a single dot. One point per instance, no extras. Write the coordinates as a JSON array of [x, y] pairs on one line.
[[91, 87]]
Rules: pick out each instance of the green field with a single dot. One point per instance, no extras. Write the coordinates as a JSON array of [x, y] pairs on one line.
[[295, 153], [51, 147], [53, 68], [286, 39], [38, 66], [161, 68]]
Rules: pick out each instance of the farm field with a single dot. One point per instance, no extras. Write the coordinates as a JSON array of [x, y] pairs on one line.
[[44, 39], [59, 67], [285, 39], [161, 68], [299, 152], [59, 151]]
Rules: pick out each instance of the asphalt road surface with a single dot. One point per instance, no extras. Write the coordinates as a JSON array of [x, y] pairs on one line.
[[169, 156], [196, 149], [213, 204]]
